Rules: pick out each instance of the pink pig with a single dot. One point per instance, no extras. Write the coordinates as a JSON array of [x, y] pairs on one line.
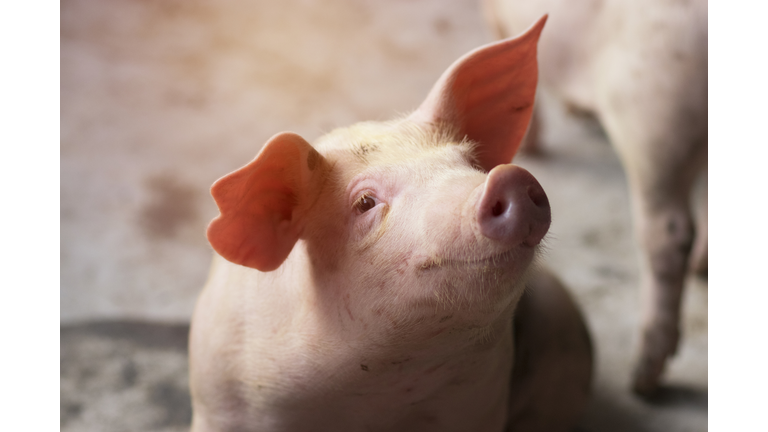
[[641, 68], [376, 281]]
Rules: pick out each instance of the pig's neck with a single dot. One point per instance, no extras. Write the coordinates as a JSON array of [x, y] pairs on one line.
[[423, 391], [342, 382]]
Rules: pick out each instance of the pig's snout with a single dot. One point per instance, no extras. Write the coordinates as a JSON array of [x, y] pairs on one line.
[[513, 208]]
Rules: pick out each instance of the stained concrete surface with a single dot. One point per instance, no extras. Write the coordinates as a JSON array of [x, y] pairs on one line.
[[158, 99], [124, 376]]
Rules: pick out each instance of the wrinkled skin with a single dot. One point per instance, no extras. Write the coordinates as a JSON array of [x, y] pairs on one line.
[[369, 282], [641, 69]]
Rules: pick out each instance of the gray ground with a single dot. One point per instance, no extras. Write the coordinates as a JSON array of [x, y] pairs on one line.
[[158, 99]]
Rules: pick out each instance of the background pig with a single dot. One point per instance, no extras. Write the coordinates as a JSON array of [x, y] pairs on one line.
[[369, 282], [641, 68]]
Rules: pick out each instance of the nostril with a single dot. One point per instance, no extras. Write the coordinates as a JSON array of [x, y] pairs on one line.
[[497, 209], [513, 207], [538, 196]]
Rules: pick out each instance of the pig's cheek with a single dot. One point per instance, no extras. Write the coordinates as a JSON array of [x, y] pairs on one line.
[[362, 224], [327, 245], [367, 228], [403, 265]]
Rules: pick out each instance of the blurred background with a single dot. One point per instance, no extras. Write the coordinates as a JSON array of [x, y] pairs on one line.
[[160, 98]]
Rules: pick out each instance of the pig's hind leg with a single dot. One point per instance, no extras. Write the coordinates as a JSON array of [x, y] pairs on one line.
[[699, 259], [552, 372], [658, 125]]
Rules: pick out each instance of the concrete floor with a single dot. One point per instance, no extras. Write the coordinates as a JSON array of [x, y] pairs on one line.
[[158, 99]]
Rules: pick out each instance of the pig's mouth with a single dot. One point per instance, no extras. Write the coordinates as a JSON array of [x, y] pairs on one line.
[[492, 261]]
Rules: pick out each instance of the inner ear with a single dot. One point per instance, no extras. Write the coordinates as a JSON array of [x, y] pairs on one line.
[[259, 222], [487, 96]]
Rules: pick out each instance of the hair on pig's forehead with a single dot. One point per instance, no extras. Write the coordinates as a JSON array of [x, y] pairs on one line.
[[375, 143]]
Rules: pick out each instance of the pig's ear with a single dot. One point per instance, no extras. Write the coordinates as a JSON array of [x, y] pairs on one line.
[[488, 95], [259, 223]]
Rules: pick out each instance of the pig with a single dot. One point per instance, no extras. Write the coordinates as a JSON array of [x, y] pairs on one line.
[[640, 67], [384, 278]]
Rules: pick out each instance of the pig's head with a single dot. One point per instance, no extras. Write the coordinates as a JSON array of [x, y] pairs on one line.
[[415, 229]]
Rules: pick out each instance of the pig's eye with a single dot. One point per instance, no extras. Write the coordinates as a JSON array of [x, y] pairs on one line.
[[365, 203]]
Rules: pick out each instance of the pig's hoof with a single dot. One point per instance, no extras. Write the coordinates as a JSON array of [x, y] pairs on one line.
[[645, 381], [660, 343]]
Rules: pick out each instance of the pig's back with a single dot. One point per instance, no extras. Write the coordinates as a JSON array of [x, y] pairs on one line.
[[584, 40]]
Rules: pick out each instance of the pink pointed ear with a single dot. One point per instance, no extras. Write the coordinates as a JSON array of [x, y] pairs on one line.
[[488, 95], [259, 223]]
